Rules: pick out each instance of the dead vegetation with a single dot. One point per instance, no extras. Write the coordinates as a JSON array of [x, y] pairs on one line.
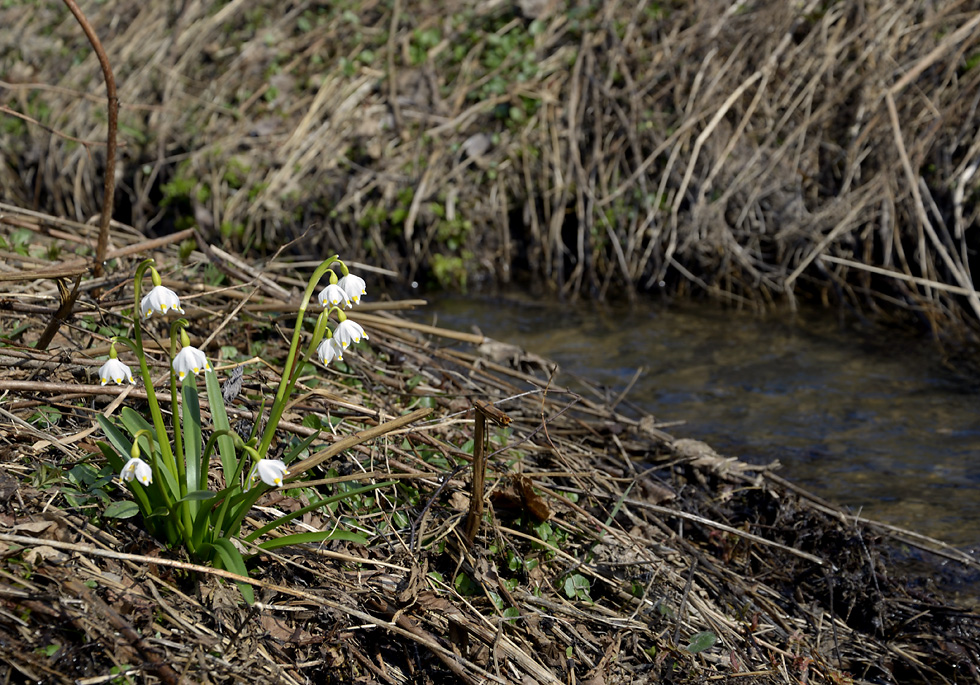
[[755, 151], [607, 552], [749, 150]]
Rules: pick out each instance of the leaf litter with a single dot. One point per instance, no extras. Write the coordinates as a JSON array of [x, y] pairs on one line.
[[606, 551]]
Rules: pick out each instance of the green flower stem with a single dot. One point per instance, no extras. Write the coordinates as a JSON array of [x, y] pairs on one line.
[[151, 396], [289, 374], [178, 435], [173, 535], [321, 326]]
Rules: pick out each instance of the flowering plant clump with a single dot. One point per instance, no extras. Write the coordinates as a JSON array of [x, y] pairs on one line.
[[167, 468]]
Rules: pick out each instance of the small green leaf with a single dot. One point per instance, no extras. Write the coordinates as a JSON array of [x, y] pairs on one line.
[[121, 510], [702, 641], [464, 585]]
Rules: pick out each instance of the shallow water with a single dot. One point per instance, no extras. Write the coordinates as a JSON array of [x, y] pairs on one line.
[[875, 423]]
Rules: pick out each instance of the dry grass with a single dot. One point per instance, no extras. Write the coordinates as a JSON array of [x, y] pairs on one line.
[[756, 151], [609, 552]]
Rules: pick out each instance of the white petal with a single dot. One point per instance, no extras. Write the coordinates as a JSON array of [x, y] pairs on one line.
[[272, 471], [114, 370], [354, 286], [328, 350], [159, 298], [138, 469], [335, 296], [348, 332], [190, 359]]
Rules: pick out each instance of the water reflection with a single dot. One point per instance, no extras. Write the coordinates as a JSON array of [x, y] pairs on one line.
[[877, 425]]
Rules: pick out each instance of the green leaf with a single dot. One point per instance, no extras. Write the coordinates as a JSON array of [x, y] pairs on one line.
[[219, 419], [117, 438], [116, 462], [308, 538], [111, 455], [192, 439], [121, 510], [230, 559], [197, 496], [577, 586], [355, 492], [702, 641], [464, 585], [291, 455], [135, 423]]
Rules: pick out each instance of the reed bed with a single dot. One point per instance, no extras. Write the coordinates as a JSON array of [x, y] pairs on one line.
[[757, 152]]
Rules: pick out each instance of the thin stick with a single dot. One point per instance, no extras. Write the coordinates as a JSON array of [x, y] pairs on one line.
[[110, 153]]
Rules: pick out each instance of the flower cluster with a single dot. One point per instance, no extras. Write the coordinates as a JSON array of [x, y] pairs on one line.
[[339, 295], [190, 361]]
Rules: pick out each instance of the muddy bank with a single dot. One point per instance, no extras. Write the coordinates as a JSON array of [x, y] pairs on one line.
[[607, 551], [754, 152]]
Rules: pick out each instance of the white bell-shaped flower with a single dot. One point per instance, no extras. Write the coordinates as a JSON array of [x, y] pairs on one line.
[[328, 350], [159, 299], [115, 371], [335, 296], [348, 332], [269, 471], [354, 286], [190, 360], [138, 469]]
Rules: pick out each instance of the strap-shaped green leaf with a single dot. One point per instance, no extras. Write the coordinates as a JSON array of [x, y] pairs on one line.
[[230, 559], [307, 538], [118, 439], [135, 423], [196, 496], [290, 455], [316, 505], [219, 418], [195, 473]]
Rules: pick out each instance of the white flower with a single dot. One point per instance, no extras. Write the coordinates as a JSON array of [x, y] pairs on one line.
[[335, 295], [115, 370], [159, 299], [269, 471], [329, 350], [190, 359], [348, 331], [138, 469], [354, 286]]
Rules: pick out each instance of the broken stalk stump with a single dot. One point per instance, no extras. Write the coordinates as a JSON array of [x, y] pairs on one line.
[[484, 410]]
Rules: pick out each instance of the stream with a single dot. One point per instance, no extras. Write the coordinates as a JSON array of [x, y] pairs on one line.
[[870, 421]]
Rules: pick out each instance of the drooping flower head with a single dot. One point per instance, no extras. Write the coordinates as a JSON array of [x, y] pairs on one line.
[[269, 471], [189, 359], [335, 296], [114, 370], [354, 286], [348, 332], [138, 469], [328, 350], [159, 299]]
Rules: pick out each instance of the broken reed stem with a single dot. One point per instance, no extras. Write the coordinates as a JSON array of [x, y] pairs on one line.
[[109, 187], [357, 439], [484, 411], [475, 514]]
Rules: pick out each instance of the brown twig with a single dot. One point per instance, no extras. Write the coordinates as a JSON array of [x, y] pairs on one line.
[[110, 154]]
